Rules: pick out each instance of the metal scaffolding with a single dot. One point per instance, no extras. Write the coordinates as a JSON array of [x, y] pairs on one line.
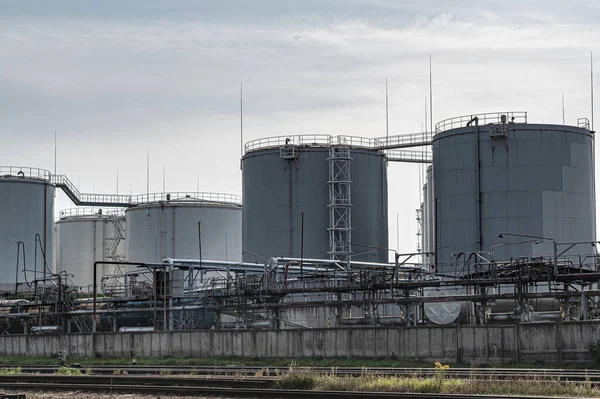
[[340, 202]]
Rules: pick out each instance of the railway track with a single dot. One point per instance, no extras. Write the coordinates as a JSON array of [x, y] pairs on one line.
[[230, 392], [473, 373]]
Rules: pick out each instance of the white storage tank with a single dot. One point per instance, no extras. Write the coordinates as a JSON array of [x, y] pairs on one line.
[[86, 235], [26, 225], [165, 225]]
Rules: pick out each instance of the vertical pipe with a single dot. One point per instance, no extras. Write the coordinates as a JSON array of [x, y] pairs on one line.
[[301, 243], [200, 247], [478, 183], [435, 234], [45, 224]]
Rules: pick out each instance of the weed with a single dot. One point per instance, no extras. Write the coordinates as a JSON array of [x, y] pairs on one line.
[[13, 371], [64, 370]]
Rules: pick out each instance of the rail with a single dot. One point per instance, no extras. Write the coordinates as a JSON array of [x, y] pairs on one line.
[[124, 201], [409, 156], [404, 140], [23, 172], [90, 211], [485, 118], [583, 123], [314, 140]]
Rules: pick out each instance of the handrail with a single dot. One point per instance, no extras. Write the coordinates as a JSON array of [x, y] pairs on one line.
[[23, 172], [485, 118], [90, 212], [120, 200], [583, 123], [414, 156], [313, 140], [404, 140]]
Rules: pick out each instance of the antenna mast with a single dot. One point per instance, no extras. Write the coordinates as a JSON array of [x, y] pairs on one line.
[[430, 97], [592, 85], [54, 152], [241, 122], [387, 132], [148, 172], [563, 107]]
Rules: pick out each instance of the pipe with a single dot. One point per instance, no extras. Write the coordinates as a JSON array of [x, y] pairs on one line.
[[136, 329], [390, 321], [356, 321], [95, 280], [478, 180]]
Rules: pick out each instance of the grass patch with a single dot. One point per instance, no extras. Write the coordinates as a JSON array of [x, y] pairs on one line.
[[64, 370], [436, 384]]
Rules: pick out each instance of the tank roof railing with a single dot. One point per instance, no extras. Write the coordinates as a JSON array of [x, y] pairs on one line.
[[483, 119], [23, 172], [311, 140], [83, 211], [193, 197]]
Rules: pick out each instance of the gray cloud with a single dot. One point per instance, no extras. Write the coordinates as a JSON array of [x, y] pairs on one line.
[[119, 78]]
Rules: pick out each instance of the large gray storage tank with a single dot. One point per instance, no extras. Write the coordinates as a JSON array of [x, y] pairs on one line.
[[533, 179], [165, 225], [284, 176], [26, 213], [86, 235]]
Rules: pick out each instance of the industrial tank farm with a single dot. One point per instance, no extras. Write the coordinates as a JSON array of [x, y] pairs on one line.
[[284, 178], [87, 235], [26, 226], [506, 222], [165, 225], [524, 179]]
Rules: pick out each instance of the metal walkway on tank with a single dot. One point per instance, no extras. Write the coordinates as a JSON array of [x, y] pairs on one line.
[[393, 146], [125, 201]]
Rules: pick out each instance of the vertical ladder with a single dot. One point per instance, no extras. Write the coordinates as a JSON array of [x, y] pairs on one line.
[[340, 203]]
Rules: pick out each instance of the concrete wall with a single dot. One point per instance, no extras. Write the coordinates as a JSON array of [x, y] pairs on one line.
[[527, 343]]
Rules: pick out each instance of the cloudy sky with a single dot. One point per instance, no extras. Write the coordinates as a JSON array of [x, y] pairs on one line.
[[117, 79]]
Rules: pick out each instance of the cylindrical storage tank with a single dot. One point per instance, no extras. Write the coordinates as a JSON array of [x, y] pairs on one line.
[[87, 235], [26, 224], [166, 226], [285, 177], [532, 180]]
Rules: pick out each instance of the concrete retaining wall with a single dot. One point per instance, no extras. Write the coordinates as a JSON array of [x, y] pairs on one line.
[[527, 343]]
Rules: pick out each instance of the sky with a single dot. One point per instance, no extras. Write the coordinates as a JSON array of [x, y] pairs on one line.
[[117, 80]]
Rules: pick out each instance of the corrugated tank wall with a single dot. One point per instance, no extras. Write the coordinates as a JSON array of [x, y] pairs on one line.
[[536, 180], [26, 209], [170, 230], [277, 190]]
